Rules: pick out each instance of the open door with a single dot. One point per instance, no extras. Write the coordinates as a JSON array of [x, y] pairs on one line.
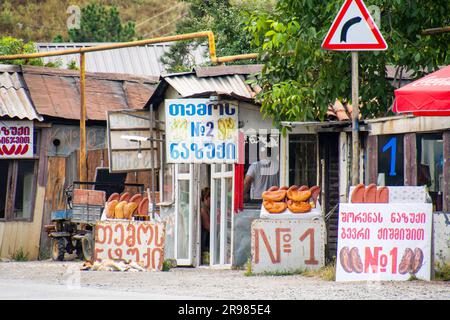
[[184, 214], [222, 196]]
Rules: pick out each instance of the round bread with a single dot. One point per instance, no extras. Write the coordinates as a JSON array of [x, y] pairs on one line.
[[273, 188], [298, 207], [417, 260], [129, 210], [276, 196], [114, 196], [295, 194], [137, 198], [315, 192], [125, 197], [275, 207], [370, 193], [358, 194], [143, 207], [383, 195], [303, 188], [119, 210], [110, 209], [355, 260]]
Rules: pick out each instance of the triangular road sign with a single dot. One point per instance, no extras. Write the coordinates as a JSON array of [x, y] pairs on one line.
[[353, 29]]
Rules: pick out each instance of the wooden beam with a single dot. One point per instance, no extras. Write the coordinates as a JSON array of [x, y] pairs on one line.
[[436, 30], [446, 195]]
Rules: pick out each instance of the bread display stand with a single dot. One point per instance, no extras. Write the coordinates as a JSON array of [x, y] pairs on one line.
[[386, 240]]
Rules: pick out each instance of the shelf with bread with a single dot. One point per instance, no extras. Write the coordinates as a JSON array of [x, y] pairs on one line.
[[291, 203], [126, 206], [388, 194]]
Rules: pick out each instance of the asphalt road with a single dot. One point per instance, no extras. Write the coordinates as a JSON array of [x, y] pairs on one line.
[[64, 280]]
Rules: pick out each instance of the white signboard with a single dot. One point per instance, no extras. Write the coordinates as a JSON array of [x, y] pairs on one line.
[[16, 139], [199, 131], [136, 241], [389, 241], [287, 245]]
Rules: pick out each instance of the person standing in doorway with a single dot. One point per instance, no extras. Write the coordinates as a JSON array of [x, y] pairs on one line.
[[261, 175], [205, 209]]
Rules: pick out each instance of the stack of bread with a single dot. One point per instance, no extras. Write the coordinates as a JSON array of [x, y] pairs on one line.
[[126, 206], [296, 199], [369, 194]]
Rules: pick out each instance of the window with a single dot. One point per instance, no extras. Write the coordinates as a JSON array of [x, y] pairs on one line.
[[302, 159], [430, 166], [17, 187]]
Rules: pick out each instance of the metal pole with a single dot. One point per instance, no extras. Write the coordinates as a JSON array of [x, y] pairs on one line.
[[152, 164], [355, 118], [83, 158]]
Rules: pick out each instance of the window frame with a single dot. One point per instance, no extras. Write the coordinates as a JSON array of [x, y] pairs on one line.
[[12, 183]]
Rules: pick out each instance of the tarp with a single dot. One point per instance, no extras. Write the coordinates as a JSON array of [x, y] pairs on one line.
[[428, 96]]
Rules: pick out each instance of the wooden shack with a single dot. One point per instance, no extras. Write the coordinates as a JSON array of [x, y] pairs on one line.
[[48, 101]]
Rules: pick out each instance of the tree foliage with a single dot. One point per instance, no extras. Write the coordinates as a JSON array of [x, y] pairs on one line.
[[10, 46], [225, 18], [100, 24], [300, 86]]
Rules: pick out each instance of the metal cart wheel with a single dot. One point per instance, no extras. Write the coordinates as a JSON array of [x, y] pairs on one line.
[[58, 249], [87, 245]]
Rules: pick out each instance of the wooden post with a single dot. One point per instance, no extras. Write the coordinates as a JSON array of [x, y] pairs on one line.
[[355, 118], [83, 158], [152, 159]]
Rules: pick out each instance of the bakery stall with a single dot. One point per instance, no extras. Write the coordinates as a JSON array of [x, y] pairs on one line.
[[209, 114]]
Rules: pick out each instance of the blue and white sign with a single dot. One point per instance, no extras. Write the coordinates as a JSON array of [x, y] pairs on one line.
[[200, 131]]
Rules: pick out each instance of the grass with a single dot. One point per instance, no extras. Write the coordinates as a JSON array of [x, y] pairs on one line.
[[328, 272], [442, 271], [20, 255], [169, 264]]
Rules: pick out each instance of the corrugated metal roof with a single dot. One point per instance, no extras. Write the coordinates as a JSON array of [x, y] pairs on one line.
[[55, 92], [192, 86], [144, 60], [15, 101]]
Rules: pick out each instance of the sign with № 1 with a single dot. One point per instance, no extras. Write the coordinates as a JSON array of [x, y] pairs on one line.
[[354, 29]]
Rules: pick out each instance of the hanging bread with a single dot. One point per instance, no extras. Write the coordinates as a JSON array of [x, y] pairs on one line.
[[137, 198], [274, 207], [382, 195], [298, 207], [119, 210], [143, 207], [370, 193], [110, 209], [358, 194], [295, 194], [114, 196], [129, 210]]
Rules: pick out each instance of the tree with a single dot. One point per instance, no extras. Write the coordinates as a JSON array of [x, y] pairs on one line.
[[300, 80], [99, 24], [10, 46], [225, 18]]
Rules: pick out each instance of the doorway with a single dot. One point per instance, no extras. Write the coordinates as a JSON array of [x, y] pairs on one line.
[[222, 208]]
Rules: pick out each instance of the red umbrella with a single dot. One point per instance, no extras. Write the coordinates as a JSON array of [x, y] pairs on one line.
[[428, 96]]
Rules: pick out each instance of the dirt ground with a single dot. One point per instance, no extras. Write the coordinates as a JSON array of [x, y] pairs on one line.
[[30, 279]]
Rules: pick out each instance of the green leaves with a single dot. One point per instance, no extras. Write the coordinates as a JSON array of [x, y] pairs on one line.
[[301, 85]]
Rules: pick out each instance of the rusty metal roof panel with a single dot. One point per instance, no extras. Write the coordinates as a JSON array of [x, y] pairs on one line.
[[55, 92], [189, 85], [144, 60], [15, 101]]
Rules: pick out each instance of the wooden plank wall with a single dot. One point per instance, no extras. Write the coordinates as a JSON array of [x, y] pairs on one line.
[[410, 164]]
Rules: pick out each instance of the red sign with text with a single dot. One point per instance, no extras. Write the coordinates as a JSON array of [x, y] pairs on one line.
[[134, 241], [16, 139], [389, 241]]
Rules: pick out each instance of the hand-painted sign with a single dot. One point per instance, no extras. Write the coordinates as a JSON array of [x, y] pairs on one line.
[[389, 241], [287, 245], [199, 131], [133, 241], [354, 29], [16, 139]]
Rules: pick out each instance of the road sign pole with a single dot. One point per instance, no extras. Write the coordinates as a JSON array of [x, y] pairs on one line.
[[355, 118]]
